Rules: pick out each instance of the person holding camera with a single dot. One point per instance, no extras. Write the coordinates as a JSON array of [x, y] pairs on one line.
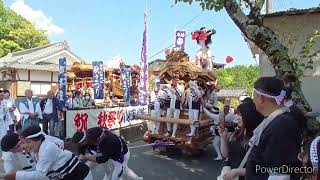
[[235, 147]]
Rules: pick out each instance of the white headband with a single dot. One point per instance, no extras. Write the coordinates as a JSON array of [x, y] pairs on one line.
[[36, 135], [314, 153], [278, 98], [83, 138]]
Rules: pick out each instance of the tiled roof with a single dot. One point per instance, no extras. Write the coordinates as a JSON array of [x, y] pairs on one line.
[[231, 92], [292, 12], [35, 67], [34, 54]]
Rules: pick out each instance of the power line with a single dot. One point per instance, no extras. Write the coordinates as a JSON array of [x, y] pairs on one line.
[[165, 49], [170, 37]]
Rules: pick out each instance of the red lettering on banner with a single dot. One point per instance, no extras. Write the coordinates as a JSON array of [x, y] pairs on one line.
[[111, 118], [102, 118], [81, 121], [120, 116]]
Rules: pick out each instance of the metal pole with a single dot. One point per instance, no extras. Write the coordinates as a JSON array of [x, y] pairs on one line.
[[268, 6]]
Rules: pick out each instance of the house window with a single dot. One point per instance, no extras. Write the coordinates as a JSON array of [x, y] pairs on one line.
[[40, 89]]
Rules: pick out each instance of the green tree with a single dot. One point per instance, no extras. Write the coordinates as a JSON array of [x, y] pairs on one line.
[[16, 33], [238, 77], [252, 27]]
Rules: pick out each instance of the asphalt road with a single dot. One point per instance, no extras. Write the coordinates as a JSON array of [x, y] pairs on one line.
[[153, 165]]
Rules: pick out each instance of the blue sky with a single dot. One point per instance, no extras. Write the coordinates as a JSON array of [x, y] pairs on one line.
[[101, 29]]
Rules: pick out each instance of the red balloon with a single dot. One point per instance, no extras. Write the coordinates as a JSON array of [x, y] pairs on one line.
[[229, 59], [168, 51]]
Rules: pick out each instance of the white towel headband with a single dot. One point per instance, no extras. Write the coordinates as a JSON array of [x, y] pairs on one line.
[[278, 98], [83, 138], [314, 153], [36, 135]]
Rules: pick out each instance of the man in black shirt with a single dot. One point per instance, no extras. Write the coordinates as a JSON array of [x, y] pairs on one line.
[[276, 141], [111, 147]]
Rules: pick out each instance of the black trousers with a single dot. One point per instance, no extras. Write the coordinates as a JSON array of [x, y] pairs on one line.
[[79, 173]]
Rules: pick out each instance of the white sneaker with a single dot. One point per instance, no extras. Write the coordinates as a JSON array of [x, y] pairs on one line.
[[219, 158], [173, 136], [167, 134]]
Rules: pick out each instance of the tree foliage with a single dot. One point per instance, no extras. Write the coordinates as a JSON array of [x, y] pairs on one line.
[[16, 33], [238, 77], [252, 27]]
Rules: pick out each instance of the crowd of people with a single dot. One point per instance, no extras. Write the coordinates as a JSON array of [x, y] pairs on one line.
[[32, 146], [265, 137], [265, 131], [270, 139]]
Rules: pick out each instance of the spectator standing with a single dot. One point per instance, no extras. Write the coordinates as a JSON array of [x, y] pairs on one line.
[[4, 125], [30, 110], [50, 108], [11, 106], [276, 141], [235, 147]]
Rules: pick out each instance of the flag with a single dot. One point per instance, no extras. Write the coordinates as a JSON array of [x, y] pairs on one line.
[[143, 83], [62, 78], [98, 79], [126, 81], [180, 40]]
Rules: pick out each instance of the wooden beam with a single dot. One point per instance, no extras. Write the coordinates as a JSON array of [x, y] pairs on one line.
[[28, 75]]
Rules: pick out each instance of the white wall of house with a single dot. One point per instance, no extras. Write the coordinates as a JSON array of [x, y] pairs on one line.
[[22, 75], [55, 76], [297, 29], [43, 76]]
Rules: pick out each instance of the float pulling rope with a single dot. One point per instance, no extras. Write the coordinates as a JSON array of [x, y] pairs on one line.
[[156, 143]]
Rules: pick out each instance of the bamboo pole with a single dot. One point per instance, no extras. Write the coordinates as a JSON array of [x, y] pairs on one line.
[[195, 123]]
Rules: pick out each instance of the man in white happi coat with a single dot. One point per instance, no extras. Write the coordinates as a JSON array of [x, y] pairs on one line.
[[157, 100], [174, 104], [193, 102], [4, 113], [15, 158], [53, 162], [11, 106]]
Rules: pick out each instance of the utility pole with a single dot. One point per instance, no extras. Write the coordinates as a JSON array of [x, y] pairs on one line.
[[268, 6]]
